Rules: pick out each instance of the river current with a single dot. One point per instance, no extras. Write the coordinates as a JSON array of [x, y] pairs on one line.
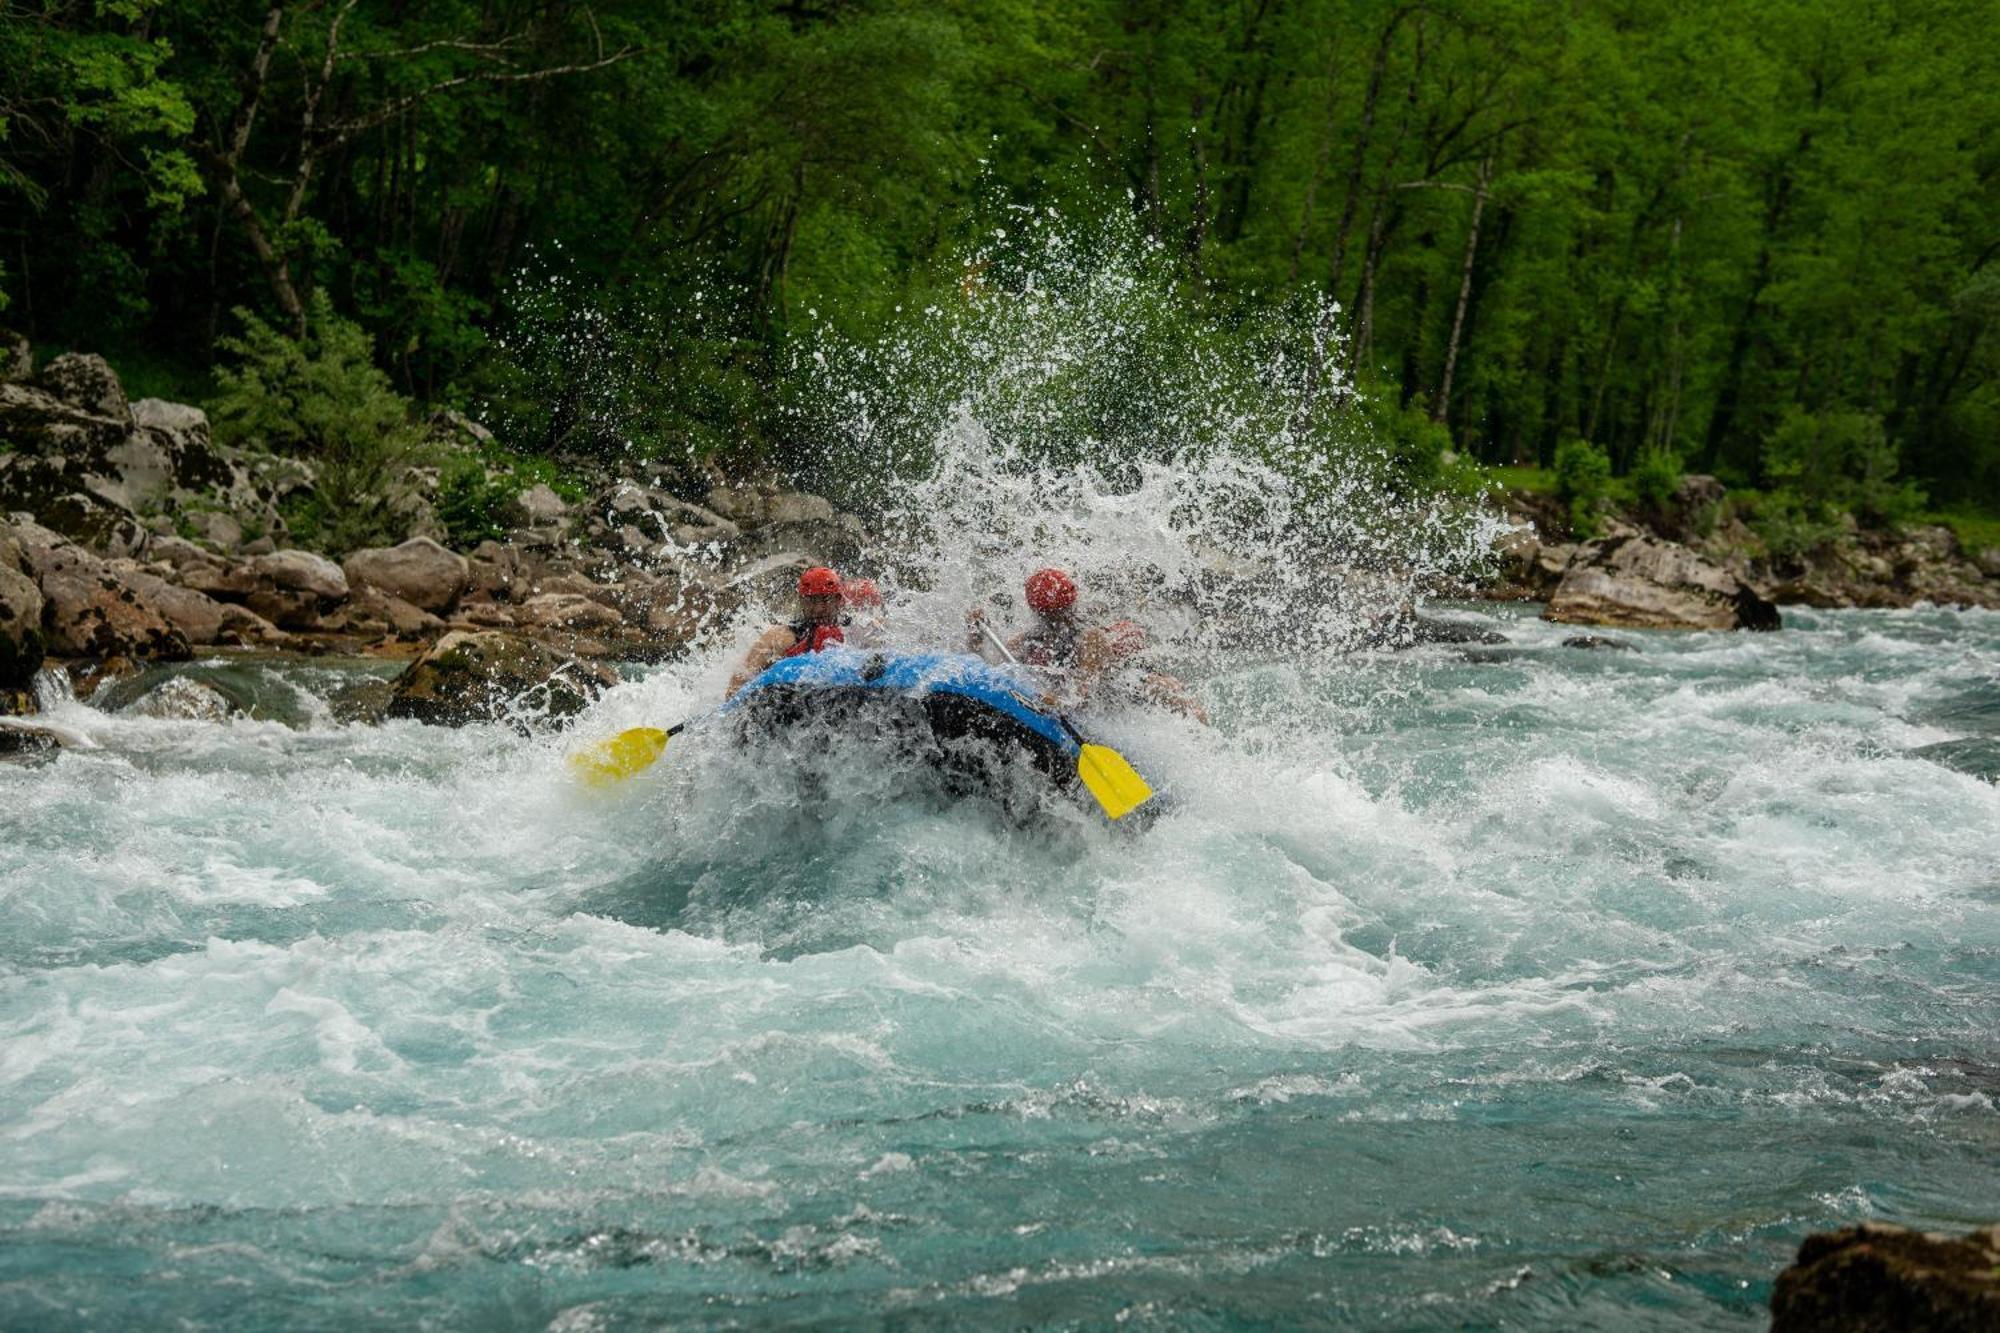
[[1501, 985]]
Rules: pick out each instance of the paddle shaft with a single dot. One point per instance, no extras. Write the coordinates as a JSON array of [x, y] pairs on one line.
[[1012, 661]]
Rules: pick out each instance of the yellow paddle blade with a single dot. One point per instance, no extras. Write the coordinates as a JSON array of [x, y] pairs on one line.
[[1114, 782], [624, 755]]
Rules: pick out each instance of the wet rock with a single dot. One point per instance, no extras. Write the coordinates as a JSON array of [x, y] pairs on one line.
[[1598, 643], [742, 505], [1529, 568], [182, 698], [773, 580], [419, 571], [838, 541], [797, 507], [1426, 629], [21, 643], [1641, 582], [493, 675], [497, 573], [89, 610], [293, 589], [1876, 1278], [89, 679], [371, 614], [18, 740]]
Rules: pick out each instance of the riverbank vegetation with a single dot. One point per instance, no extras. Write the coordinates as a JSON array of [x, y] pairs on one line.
[[1616, 241]]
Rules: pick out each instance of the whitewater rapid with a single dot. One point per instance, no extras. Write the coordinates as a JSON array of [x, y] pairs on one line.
[[1478, 984]]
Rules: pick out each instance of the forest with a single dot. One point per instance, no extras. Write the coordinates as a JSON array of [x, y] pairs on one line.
[[1751, 240]]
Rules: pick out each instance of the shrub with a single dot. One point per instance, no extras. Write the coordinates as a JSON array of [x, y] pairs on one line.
[[1840, 461], [1789, 527], [1583, 481], [1656, 477], [321, 399], [476, 492]]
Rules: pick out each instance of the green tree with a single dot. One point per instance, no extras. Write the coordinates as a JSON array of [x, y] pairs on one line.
[[320, 398]]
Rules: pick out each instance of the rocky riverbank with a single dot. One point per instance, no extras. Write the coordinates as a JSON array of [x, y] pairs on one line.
[[1691, 564], [128, 534]]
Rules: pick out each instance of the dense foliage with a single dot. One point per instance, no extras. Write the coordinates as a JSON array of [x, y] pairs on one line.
[[1754, 239]]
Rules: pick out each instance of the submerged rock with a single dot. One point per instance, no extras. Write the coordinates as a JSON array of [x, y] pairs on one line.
[[19, 739], [1428, 629], [1641, 582], [1875, 1278], [494, 676], [1598, 643], [184, 699]]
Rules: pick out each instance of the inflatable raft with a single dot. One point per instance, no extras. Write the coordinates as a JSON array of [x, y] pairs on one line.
[[965, 716]]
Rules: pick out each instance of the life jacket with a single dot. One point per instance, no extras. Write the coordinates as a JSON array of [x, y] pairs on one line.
[[1050, 646], [809, 638]]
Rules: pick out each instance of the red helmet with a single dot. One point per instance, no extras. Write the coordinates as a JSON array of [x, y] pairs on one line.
[[819, 581], [1051, 590], [860, 592]]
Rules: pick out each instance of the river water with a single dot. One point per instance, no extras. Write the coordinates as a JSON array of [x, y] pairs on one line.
[[1502, 985]]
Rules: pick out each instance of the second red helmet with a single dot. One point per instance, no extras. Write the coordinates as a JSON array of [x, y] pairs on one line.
[[819, 581], [1051, 590]]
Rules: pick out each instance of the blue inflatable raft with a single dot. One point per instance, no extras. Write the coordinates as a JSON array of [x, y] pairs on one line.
[[959, 711]]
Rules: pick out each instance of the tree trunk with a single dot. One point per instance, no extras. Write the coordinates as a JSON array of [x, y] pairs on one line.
[[1316, 368], [1442, 406]]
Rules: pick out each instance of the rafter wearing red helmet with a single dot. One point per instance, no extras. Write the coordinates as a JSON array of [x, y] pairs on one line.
[[867, 615], [818, 627]]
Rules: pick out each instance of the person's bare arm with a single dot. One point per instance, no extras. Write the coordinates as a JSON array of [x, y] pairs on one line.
[[1169, 693], [768, 648]]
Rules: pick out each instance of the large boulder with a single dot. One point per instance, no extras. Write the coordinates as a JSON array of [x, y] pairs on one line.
[[419, 571], [203, 619], [17, 357], [378, 615], [86, 380], [494, 676], [89, 609], [1640, 582], [21, 647], [302, 571], [293, 589], [1528, 568], [84, 461], [1876, 1278]]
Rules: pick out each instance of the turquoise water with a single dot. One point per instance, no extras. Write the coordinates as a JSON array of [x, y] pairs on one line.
[[1508, 986]]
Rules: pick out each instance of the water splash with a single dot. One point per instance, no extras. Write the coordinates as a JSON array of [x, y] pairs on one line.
[[1073, 404]]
